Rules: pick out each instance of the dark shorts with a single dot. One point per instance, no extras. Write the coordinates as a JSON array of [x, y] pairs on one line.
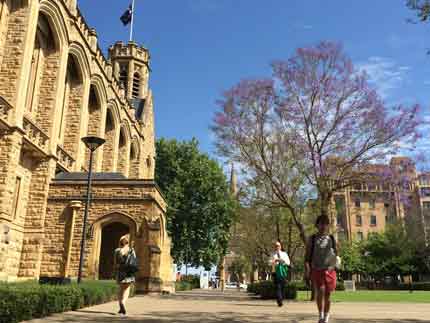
[[324, 279]]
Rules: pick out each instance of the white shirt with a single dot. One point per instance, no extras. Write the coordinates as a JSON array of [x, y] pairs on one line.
[[279, 255]]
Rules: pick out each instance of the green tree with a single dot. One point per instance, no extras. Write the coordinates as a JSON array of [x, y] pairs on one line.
[[200, 208], [421, 8], [239, 267], [390, 253], [352, 258]]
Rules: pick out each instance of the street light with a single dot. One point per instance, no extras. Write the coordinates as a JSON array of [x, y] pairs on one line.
[[92, 144]]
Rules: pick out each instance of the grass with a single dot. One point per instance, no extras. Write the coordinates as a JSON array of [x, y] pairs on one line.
[[375, 296]]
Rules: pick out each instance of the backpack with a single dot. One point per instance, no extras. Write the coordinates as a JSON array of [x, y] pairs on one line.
[[131, 265], [333, 240], [281, 271]]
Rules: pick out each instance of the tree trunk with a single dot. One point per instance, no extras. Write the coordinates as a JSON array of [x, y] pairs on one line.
[[325, 203], [299, 226], [289, 236]]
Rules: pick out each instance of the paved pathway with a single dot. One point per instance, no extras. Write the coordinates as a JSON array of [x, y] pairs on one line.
[[237, 307]]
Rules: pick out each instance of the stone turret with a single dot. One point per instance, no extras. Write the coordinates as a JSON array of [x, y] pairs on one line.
[[131, 68], [130, 64], [233, 181]]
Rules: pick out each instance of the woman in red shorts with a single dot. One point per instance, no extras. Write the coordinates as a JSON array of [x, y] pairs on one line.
[[320, 260]]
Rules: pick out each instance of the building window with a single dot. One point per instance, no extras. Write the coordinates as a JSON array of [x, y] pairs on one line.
[[387, 205], [339, 220], [360, 236], [358, 220], [35, 71], [357, 203], [373, 220], [136, 85], [372, 204], [425, 192], [123, 77], [16, 196], [426, 205], [371, 186]]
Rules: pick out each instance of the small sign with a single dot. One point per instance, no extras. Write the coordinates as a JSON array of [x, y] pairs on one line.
[[349, 285], [5, 234]]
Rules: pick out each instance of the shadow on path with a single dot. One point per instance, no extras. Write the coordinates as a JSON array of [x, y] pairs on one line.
[[193, 317]]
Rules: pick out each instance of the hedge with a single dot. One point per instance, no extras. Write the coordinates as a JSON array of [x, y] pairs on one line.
[[183, 285], [267, 290], [301, 285], [416, 286], [28, 300], [422, 286], [187, 282], [193, 280], [291, 288]]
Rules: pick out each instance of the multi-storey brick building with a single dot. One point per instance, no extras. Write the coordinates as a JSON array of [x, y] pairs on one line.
[[55, 88], [398, 193], [424, 194]]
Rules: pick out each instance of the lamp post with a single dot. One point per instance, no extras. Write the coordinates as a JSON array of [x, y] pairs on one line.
[[92, 144]]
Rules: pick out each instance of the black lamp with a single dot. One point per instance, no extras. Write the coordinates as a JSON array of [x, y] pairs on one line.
[[92, 144]]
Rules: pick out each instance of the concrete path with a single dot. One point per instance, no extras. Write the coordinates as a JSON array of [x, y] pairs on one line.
[[237, 307]]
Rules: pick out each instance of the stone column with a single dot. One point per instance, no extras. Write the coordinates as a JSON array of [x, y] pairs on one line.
[[75, 206], [10, 148], [32, 249], [148, 279]]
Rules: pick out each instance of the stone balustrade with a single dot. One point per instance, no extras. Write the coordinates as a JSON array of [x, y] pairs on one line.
[[64, 159], [5, 107], [35, 135]]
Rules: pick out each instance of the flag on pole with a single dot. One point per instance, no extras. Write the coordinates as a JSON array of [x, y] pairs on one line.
[[127, 16]]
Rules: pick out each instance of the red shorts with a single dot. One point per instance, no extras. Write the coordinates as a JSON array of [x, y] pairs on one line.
[[324, 278]]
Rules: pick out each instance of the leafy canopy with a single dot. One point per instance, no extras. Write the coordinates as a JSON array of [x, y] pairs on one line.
[[200, 207]]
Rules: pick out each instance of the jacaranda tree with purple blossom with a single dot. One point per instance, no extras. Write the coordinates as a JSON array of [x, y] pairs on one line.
[[315, 124]]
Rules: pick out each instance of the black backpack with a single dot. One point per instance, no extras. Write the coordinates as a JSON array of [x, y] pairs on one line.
[[333, 240], [131, 264]]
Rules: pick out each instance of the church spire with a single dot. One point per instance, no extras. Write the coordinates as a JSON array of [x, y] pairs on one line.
[[233, 181]]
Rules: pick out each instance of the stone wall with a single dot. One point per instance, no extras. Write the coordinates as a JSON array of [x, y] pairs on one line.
[[133, 203], [34, 232], [12, 48]]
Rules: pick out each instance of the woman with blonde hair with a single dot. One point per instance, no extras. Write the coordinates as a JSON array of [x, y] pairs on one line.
[[123, 275]]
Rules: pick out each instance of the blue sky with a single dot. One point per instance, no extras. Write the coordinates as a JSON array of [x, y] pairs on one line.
[[201, 47]]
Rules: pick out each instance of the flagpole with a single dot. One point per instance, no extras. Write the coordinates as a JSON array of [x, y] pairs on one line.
[[132, 20]]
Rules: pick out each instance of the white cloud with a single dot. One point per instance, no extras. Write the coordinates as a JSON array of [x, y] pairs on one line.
[[384, 73], [297, 26], [404, 68], [202, 6]]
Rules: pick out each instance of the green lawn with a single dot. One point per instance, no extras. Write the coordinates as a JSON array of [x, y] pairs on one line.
[[375, 296]]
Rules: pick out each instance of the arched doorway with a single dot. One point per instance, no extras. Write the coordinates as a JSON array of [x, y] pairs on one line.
[[110, 235], [106, 232]]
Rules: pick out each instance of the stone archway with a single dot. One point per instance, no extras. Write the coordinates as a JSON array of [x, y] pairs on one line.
[[110, 235], [110, 227]]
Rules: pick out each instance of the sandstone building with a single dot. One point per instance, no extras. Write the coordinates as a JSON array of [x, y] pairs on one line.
[[55, 88], [368, 206]]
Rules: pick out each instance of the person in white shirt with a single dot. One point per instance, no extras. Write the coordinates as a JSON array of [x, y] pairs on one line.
[[279, 257]]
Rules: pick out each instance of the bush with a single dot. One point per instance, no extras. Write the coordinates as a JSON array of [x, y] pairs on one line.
[[267, 290], [340, 286], [28, 300], [301, 285], [193, 280], [251, 288], [371, 285], [423, 286], [183, 285]]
